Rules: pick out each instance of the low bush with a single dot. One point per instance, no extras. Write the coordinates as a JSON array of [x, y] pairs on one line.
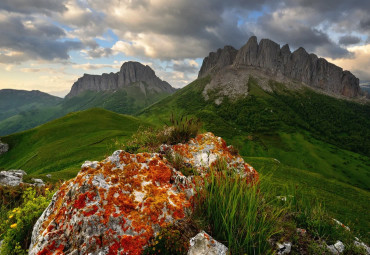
[[16, 230]]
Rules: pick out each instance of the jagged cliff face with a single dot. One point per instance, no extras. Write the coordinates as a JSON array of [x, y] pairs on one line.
[[130, 73], [300, 66]]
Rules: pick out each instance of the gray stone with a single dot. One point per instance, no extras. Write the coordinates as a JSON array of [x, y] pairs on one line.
[[336, 248], [204, 244], [48, 175], [362, 245], [299, 66], [130, 73], [3, 148], [11, 177], [284, 248], [38, 182]]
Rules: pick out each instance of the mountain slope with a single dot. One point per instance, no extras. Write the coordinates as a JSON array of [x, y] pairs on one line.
[[302, 128], [132, 89], [64, 144], [13, 102]]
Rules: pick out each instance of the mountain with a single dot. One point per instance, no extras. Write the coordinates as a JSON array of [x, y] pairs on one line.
[[131, 74], [132, 89], [282, 65], [13, 102]]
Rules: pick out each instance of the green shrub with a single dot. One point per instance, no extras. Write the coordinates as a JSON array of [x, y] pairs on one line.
[[182, 129], [20, 221]]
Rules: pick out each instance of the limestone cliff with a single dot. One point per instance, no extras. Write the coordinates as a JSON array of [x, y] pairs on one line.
[[299, 65], [130, 73]]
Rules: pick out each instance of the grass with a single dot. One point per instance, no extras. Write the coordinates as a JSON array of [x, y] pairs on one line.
[[61, 146], [342, 201]]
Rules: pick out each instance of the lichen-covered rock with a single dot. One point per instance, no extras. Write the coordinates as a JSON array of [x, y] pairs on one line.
[[203, 152], [204, 244], [11, 177], [116, 206]]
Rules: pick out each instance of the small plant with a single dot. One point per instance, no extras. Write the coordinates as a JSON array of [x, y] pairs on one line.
[[182, 129], [16, 230], [170, 240], [177, 161]]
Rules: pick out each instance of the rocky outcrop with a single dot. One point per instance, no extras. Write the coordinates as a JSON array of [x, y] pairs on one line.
[[298, 65], [130, 73], [217, 60], [203, 243], [11, 177], [3, 148], [117, 205]]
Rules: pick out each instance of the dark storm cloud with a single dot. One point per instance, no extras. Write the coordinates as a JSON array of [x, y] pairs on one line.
[[33, 6], [35, 39], [299, 35], [349, 40]]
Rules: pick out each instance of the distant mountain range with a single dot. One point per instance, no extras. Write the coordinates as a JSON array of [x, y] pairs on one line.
[[130, 90]]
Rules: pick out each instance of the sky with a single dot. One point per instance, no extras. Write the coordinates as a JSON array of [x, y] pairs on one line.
[[48, 44]]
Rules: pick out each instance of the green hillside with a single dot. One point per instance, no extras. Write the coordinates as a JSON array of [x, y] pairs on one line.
[[128, 100], [13, 102], [61, 146], [302, 129]]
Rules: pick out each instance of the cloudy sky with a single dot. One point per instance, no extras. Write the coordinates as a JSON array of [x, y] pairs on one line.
[[48, 44]]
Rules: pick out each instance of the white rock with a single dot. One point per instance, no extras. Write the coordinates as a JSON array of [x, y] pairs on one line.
[[339, 246], [48, 175], [11, 177], [358, 243], [336, 248], [284, 248], [204, 244], [38, 182]]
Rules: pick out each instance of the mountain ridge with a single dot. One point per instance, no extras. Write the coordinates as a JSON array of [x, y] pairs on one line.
[[130, 73], [281, 63]]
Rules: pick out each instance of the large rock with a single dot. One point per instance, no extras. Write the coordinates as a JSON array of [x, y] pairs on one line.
[[11, 177], [117, 205], [130, 73], [276, 62], [3, 148]]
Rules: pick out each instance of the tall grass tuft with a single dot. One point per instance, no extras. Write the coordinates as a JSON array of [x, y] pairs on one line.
[[182, 129], [237, 212]]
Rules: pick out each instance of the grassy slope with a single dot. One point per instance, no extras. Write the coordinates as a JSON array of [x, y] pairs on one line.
[[345, 202], [127, 101], [272, 126], [64, 144]]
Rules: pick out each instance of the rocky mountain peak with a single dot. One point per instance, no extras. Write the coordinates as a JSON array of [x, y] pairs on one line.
[[130, 73], [299, 66]]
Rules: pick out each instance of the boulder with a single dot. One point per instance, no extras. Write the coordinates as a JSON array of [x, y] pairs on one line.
[[119, 204], [11, 177], [204, 244]]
